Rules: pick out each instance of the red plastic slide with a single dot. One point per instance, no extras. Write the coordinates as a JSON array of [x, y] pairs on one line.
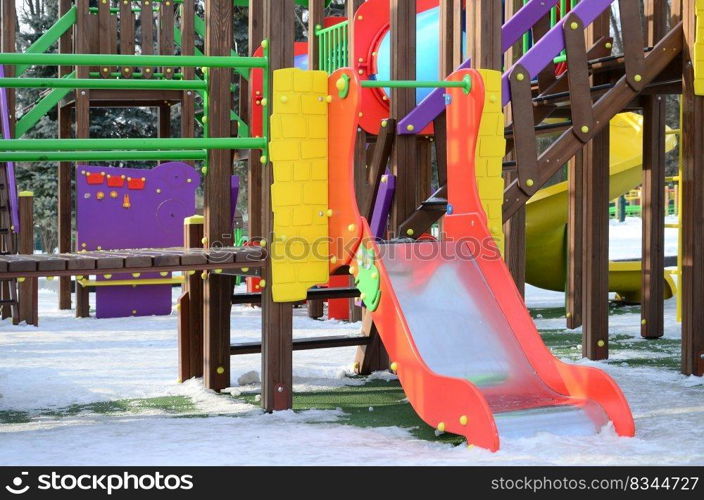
[[460, 338]]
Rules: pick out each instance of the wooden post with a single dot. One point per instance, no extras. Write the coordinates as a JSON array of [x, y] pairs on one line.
[[191, 362], [515, 227], [653, 192], [277, 318], [575, 231], [484, 23], [29, 288], [82, 111], [65, 174], [595, 297], [692, 205], [187, 48], [217, 295], [9, 27], [254, 172], [316, 14], [405, 165]]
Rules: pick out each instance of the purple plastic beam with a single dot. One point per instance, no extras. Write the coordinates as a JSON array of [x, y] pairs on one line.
[[434, 104], [382, 206], [545, 49], [11, 183]]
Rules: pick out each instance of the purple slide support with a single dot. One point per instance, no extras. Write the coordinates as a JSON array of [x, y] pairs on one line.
[[11, 183], [382, 206], [434, 104]]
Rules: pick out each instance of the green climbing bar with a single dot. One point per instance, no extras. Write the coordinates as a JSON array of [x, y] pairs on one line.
[[28, 156], [133, 60], [100, 83], [145, 144]]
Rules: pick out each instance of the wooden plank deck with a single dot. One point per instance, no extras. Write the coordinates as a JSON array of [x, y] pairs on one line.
[[130, 261]]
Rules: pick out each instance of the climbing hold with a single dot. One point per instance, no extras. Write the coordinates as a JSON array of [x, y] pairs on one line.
[[463, 420]]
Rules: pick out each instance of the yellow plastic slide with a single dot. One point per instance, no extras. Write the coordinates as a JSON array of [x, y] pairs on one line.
[[546, 217]]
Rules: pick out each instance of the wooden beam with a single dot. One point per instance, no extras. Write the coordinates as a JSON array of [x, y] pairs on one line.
[[254, 172], [692, 206], [277, 318], [595, 295], [351, 7], [29, 288], [653, 190], [191, 360], [9, 27], [218, 230], [484, 23], [187, 48], [82, 40], [515, 227], [65, 169], [316, 14], [575, 232], [404, 161]]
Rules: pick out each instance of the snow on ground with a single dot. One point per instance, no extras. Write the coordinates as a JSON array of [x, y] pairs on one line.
[[68, 361]]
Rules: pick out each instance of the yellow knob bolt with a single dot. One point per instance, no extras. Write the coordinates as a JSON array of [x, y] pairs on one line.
[[585, 129], [568, 315], [134, 311], [50, 278], [20, 280], [333, 259], [264, 101], [394, 366], [520, 77], [262, 243], [283, 99], [107, 276], [164, 274], [601, 343], [245, 269], [441, 427], [204, 275], [362, 296], [351, 227], [463, 420], [262, 283], [204, 240], [374, 276], [643, 321], [384, 123], [637, 78], [328, 98], [353, 269], [340, 84], [136, 275], [574, 25], [529, 182], [220, 370], [329, 212], [263, 159], [608, 45], [410, 231], [410, 128], [218, 271], [191, 272], [265, 44]]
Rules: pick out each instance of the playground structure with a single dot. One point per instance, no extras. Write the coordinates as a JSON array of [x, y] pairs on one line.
[[324, 145]]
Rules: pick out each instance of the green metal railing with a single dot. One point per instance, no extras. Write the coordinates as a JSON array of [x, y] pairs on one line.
[[333, 46], [125, 149], [555, 16]]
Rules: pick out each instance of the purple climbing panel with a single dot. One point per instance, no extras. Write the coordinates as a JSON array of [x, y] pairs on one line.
[[11, 183], [382, 206], [120, 208]]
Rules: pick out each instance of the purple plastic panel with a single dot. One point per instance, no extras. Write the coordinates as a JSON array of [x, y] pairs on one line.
[[382, 206], [11, 183], [434, 104], [147, 211]]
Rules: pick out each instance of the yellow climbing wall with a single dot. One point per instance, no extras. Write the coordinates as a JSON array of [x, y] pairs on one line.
[[299, 194], [491, 148], [698, 57]]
